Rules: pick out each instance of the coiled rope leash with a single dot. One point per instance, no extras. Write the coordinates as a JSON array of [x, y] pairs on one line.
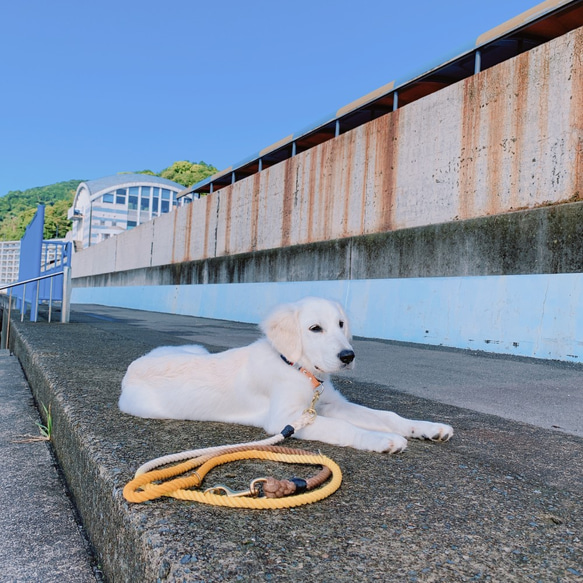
[[263, 493]]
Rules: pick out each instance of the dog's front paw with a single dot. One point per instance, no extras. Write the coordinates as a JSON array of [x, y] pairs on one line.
[[383, 442], [431, 431]]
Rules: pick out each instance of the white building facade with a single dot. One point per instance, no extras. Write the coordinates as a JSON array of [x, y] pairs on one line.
[[9, 261], [107, 206], [51, 253]]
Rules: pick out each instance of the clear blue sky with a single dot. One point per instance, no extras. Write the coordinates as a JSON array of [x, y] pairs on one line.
[[89, 89]]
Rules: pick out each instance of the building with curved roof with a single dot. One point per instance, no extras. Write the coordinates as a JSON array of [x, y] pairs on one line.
[[107, 206]]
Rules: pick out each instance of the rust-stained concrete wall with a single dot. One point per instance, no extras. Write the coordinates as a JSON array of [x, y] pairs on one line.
[[508, 138]]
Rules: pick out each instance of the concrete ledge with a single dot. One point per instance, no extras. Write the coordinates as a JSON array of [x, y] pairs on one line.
[[499, 502]]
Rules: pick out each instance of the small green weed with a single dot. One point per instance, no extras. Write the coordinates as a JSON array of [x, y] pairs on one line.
[[46, 431]]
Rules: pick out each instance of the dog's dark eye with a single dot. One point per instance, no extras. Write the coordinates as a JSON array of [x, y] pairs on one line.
[[341, 324], [316, 328]]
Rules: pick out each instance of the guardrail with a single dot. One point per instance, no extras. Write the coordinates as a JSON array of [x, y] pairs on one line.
[[65, 302]]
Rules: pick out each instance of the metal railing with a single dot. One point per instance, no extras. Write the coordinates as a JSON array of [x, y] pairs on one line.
[[65, 302]]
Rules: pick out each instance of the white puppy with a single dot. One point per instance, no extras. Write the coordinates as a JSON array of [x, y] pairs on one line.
[[258, 384]]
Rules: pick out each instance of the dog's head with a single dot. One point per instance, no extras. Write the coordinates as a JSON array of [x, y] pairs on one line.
[[313, 332]]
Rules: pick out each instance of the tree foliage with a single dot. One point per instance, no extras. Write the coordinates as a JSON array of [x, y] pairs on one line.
[[18, 206], [188, 173], [56, 223]]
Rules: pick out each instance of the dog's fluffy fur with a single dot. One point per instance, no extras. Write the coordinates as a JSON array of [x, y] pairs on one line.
[[253, 385]]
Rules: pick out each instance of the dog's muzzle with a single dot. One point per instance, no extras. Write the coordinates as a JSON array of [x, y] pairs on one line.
[[346, 356]]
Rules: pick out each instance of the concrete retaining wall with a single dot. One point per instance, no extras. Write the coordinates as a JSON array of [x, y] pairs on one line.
[[428, 191]]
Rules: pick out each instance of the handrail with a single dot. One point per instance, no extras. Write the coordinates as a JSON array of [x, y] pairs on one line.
[[31, 280], [65, 302]]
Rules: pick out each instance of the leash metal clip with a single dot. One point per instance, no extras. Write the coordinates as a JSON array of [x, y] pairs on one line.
[[311, 410], [254, 489], [222, 490]]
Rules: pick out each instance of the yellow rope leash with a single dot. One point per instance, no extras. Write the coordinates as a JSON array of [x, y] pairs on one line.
[[143, 488]]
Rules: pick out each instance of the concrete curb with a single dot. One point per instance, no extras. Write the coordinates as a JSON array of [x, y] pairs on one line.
[[500, 502], [39, 535]]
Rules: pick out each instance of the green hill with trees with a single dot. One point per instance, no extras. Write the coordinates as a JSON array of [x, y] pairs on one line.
[[18, 206]]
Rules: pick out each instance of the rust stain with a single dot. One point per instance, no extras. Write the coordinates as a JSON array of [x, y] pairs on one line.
[[315, 156], [376, 130], [469, 144], [496, 109], [227, 193], [576, 115], [387, 149], [520, 100], [543, 75], [174, 235], [321, 216], [210, 202], [300, 199], [288, 201], [318, 208], [188, 234], [255, 209], [348, 195], [363, 192], [333, 168]]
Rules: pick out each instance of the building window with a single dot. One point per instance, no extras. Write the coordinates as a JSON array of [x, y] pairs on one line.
[[155, 201], [108, 198], [132, 202], [120, 196], [132, 224], [165, 207]]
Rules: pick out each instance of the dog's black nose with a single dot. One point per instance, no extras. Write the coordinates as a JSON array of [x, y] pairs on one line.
[[346, 356]]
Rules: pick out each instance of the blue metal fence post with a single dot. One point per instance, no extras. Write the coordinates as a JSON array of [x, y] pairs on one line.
[[30, 261]]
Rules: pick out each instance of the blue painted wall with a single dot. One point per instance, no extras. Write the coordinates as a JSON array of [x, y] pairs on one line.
[[524, 315]]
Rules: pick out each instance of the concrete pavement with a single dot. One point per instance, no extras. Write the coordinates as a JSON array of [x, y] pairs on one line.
[[40, 538], [501, 502]]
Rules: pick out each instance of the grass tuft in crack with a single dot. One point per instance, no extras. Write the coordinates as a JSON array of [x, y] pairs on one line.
[[45, 430]]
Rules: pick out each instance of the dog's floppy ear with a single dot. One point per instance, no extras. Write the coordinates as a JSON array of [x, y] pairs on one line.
[[282, 329]]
